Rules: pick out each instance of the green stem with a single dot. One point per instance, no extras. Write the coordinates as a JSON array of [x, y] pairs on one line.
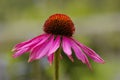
[[56, 64]]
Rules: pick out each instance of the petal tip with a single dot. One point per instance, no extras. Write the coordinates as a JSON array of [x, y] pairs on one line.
[[14, 56], [90, 67], [70, 57], [13, 50], [29, 60], [50, 63], [103, 62]]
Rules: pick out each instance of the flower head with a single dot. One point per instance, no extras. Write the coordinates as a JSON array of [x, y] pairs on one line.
[[59, 29], [59, 24]]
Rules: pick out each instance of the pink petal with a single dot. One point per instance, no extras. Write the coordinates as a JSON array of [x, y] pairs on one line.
[[54, 46], [92, 54], [20, 52], [43, 39], [27, 46], [79, 53], [41, 50], [28, 43], [66, 45], [50, 58]]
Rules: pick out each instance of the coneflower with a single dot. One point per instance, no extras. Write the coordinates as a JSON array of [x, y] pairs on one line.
[[57, 36]]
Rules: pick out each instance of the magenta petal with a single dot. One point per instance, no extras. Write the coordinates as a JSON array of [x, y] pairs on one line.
[[29, 43], [55, 45], [92, 54], [79, 53], [66, 45], [41, 50], [51, 58], [43, 39], [26, 46], [20, 52], [38, 46]]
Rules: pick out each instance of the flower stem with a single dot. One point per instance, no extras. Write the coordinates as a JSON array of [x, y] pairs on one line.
[[56, 64]]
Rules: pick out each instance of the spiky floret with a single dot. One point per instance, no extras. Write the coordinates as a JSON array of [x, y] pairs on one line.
[[59, 24]]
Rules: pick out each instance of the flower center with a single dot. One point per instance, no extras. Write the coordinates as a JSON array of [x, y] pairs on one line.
[[59, 24]]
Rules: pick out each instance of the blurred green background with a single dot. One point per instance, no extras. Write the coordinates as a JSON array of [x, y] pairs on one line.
[[97, 25]]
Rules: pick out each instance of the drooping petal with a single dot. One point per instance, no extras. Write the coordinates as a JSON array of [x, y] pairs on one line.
[[41, 50], [66, 45], [91, 53], [29, 43], [55, 45], [20, 52], [43, 39], [51, 58], [79, 53]]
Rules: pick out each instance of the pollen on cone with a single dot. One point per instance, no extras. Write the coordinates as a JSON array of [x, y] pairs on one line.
[[59, 24]]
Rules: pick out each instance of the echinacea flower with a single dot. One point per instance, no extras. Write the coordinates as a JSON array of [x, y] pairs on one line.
[[58, 29]]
